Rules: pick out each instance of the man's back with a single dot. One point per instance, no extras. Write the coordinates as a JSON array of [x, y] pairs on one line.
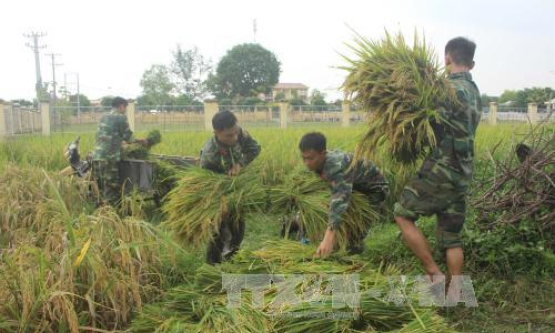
[[457, 130], [113, 129]]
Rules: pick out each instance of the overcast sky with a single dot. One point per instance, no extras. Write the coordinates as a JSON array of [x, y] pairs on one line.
[[111, 43]]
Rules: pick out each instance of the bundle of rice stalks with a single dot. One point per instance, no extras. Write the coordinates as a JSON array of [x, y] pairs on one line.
[[306, 198], [201, 200], [138, 151], [154, 137], [201, 304], [402, 87]]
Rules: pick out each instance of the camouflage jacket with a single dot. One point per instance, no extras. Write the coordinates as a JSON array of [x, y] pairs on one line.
[[362, 177], [219, 158], [113, 130], [457, 128]]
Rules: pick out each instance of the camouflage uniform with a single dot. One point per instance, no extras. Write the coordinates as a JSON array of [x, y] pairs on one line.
[[362, 177], [220, 159], [113, 130], [441, 184]]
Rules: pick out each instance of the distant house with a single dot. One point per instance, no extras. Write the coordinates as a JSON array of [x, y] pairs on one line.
[[290, 91], [550, 105], [96, 102]]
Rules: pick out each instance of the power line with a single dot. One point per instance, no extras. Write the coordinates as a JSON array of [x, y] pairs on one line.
[[36, 47]]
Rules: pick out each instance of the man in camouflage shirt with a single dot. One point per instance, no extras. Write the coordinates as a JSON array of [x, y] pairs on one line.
[[227, 152], [441, 184], [113, 130], [335, 168]]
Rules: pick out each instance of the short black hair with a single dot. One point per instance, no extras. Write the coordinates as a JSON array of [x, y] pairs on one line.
[[119, 101], [313, 141], [461, 50], [223, 119]]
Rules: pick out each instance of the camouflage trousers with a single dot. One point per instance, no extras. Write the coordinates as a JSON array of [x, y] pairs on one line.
[[227, 241], [109, 182], [376, 197], [441, 191]]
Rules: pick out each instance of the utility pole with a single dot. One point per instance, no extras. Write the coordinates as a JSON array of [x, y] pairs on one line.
[[54, 65], [35, 46]]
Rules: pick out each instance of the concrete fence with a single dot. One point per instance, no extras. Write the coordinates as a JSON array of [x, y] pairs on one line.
[[15, 119]]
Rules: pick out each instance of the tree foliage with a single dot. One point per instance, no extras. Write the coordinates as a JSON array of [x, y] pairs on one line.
[[245, 71], [190, 72], [157, 85]]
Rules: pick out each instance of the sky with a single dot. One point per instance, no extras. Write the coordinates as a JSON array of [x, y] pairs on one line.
[[111, 43]]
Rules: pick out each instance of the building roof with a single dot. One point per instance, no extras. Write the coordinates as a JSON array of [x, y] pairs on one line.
[[551, 101], [290, 86]]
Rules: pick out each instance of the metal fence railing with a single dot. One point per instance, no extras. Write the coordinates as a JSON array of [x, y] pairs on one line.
[[69, 119], [169, 118]]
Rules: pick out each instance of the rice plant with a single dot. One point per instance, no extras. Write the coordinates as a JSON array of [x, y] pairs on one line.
[[402, 87], [201, 200]]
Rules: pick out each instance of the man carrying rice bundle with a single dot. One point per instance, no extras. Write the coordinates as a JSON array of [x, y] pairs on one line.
[[441, 184], [227, 152], [113, 130], [335, 168]]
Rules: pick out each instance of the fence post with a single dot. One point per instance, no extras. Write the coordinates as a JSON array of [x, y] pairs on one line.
[[210, 110], [3, 125], [45, 117], [492, 113], [131, 115], [283, 114], [533, 112], [346, 113]]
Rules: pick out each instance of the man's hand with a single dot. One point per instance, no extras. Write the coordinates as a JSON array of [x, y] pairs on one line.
[[235, 169], [327, 244]]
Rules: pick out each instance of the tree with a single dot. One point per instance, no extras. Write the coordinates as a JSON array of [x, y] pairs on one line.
[[157, 85], [190, 72], [539, 95], [106, 101], [183, 99], [521, 98], [507, 96], [22, 102], [280, 97], [83, 100], [486, 99], [317, 98], [246, 70], [296, 101]]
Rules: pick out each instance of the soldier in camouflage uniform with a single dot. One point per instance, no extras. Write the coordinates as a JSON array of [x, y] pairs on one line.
[[227, 152], [113, 130], [335, 168], [441, 184]]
